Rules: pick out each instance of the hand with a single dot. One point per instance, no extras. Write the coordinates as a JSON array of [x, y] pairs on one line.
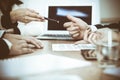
[[25, 15], [21, 47], [101, 35], [76, 27], [31, 40]]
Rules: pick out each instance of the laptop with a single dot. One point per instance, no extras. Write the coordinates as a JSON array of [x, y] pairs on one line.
[[56, 30]]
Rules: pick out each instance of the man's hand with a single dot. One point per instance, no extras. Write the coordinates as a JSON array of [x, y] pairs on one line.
[[21, 47], [76, 27], [25, 15], [31, 40], [101, 35]]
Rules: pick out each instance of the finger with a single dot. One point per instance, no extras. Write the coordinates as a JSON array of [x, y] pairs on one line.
[[35, 15], [73, 28], [24, 45], [73, 19], [40, 44], [82, 24], [76, 35], [33, 11], [31, 46], [90, 37], [35, 42], [74, 32], [94, 39], [67, 24], [86, 34], [29, 19], [27, 50]]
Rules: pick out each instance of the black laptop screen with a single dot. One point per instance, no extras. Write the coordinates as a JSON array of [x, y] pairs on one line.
[[60, 12]]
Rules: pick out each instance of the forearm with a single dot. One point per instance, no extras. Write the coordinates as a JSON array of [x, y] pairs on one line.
[[7, 23], [13, 17]]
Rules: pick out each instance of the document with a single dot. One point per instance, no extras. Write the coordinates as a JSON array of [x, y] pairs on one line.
[[22, 66], [113, 71], [72, 47], [53, 77]]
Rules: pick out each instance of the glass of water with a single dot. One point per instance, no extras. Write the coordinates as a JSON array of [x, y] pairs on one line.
[[107, 50]]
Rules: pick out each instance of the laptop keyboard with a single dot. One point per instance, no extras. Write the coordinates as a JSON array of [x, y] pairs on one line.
[[55, 36]]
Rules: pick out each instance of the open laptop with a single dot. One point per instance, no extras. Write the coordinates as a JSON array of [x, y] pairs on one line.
[[56, 30]]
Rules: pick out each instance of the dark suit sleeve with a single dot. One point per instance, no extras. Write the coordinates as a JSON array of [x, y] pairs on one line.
[[6, 23], [112, 26], [4, 49], [6, 8]]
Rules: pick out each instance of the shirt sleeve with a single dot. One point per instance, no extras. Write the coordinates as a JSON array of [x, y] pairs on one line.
[[8, 43], [2, 33]]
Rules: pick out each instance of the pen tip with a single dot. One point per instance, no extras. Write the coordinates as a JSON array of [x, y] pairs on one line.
[[57, 21]]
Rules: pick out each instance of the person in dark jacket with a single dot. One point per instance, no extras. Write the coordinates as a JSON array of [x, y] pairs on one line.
[[13, 44], [10, 17]]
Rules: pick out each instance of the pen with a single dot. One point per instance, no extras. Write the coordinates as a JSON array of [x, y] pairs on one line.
[[51, 19]]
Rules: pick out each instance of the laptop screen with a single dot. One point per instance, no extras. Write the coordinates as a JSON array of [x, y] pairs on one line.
[[60, 12]]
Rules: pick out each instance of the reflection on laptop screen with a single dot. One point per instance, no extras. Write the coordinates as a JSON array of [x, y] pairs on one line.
[[60, 12]]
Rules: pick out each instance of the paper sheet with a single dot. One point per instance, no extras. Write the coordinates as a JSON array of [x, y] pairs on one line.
[[54, 77], [22, 66], [113, 71], [72, 47]]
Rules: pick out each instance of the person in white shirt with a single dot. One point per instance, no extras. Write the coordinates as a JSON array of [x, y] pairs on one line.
[[85, 33]]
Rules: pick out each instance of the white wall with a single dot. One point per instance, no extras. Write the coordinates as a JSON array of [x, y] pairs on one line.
[[110, 10]]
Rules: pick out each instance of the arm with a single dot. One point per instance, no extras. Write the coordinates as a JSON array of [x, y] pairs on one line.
[[4, 49], [6, 7], [77, 27]]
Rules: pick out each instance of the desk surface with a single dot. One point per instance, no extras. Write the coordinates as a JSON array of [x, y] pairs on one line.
[[92, 72]]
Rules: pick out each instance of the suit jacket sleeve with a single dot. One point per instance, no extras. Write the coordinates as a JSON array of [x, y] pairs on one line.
[[112, 26], [4, 49], [6, 8]]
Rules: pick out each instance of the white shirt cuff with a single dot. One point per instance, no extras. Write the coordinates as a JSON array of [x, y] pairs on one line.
[[8, 43], [93, 28], [1, 33]]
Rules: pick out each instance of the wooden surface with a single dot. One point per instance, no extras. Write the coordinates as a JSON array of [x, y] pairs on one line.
[[92, 72]]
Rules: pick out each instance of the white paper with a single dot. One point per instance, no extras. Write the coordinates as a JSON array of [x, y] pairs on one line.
[[113, 71], [53, 77], [72, 47], [38, 64]]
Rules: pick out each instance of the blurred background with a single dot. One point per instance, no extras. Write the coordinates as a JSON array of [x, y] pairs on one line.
[[109, 10]]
